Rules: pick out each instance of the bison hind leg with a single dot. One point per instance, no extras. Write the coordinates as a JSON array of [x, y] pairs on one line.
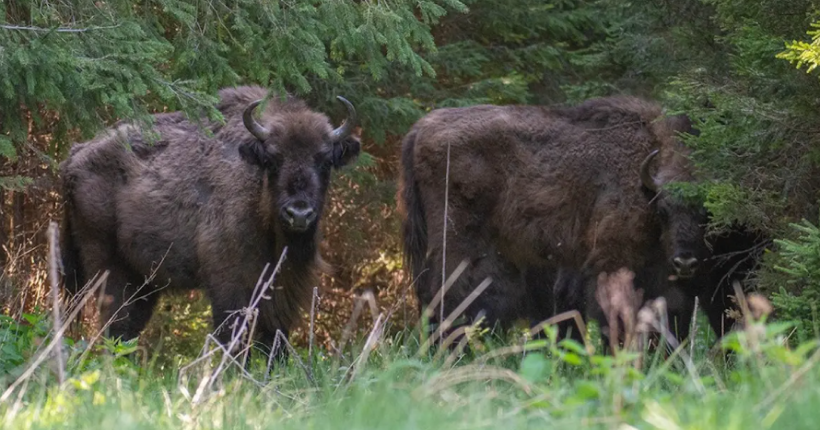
[[128, 303], [499, 305]]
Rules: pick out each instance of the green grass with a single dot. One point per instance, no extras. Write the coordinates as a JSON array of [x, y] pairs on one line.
[[554, 385]]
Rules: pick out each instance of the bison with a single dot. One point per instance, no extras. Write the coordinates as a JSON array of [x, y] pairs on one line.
[[561, 190], [735, 255], [207, 205]]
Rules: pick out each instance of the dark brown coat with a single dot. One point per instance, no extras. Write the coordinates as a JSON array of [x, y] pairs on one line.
[[205, 211], [537, 187]]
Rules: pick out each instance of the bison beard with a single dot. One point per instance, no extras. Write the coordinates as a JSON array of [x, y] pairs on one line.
[[204, 211], [558, 193]]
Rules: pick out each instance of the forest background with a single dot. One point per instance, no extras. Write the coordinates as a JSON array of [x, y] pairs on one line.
[[743, 69]]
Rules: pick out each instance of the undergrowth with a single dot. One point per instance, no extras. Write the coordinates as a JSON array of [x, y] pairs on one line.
[[512, 381]]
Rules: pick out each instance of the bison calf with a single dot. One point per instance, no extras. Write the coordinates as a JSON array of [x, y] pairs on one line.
[[204, 205]]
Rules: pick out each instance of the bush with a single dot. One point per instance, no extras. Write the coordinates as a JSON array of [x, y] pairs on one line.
[[800, 261]]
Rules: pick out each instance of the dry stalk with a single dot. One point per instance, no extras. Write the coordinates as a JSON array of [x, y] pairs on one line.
[[693, 331], [350, 326], [444, 235], [57, 337], [456, 352], [53, 272], [449, 341], [445, 325], [219, 347], [563, 316], [428, 311], [467, 374], [507, 350], [246, 351], [753, 308], [371, 301], [653, 317], [403, 301], [619, 301], [313, 302], [293, 353], [240, 326], [18, 404], [130, 300], [275, 347], [370, 343], [105, 326], [783, 390]]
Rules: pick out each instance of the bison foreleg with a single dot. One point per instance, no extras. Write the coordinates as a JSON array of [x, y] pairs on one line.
[[570, 292]]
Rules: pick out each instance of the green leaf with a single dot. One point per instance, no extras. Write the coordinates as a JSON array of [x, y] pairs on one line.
[[534, 367], [572, 358], [586, 390]]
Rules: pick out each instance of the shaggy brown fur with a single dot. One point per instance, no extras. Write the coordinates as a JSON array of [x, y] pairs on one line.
[[536, 187], [203, 212]]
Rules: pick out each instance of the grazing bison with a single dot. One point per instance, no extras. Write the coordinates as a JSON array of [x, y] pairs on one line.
[[735, 256], [205, 207], [536, 188]]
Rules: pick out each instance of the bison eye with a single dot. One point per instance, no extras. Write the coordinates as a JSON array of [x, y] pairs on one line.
[[324, 162], [274, 160]]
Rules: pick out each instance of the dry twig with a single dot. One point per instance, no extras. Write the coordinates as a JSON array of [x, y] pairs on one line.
[[57, 337], [53, 274]]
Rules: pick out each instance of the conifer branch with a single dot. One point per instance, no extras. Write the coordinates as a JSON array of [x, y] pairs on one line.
[[57, 29]]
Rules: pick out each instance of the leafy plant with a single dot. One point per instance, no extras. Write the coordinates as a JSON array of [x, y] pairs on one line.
[[19, 340]]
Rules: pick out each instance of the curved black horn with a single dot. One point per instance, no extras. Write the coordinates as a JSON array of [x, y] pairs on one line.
[[254, 127], [646, 178], [346, 128]]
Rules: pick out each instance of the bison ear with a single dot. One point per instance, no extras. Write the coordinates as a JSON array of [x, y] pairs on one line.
[[254, 153], [345, 151]]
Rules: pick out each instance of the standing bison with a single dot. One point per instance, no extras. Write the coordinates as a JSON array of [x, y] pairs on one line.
[[205, 206], [565, 190]]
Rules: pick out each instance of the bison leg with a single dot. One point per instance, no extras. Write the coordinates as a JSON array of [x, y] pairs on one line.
[[228, 313], [681, 307], [268, 344], [715, 309], [570, 293], [540, 299], [226, 310], [128, 303], [502, 302]]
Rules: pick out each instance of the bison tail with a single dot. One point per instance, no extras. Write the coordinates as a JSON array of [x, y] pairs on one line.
[[73, 276], [414, 225]]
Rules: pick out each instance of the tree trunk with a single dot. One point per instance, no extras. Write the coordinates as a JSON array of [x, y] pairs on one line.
[[4, 222], [17, 229]]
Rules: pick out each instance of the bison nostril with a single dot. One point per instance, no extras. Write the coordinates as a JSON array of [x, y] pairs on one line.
[[685, 263], [299, 215]]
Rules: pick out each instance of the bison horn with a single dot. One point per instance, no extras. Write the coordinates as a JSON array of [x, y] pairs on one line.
[[254, 127], [646, 178], [346, 128]]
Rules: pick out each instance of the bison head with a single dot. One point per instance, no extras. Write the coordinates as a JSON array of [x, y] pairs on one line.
[[298, 148], [682, 225]]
